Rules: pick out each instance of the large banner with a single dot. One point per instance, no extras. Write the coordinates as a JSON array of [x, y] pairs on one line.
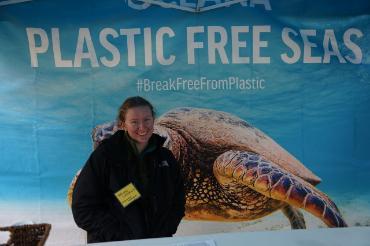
[[283, 84]]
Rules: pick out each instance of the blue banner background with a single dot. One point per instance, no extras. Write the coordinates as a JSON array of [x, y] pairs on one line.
[[319, 112]]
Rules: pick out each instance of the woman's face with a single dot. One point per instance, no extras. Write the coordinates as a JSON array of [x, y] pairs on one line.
[[139, 123]]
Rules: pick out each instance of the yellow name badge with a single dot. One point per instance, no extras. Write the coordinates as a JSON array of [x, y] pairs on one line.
[[127, 195]]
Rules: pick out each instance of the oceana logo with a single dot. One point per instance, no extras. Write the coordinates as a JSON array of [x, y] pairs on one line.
[[194, 4]]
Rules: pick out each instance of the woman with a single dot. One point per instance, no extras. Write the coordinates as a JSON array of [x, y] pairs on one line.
[[130, 187]]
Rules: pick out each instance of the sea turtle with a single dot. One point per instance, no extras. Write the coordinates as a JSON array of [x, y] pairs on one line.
[[235, 172]]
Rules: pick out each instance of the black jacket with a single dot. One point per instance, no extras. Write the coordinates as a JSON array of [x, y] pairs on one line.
[[157, 213]]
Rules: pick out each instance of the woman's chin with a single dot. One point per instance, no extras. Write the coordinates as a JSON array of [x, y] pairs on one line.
[[142, 139]]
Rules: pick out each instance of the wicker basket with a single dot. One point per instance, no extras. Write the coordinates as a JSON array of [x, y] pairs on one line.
[[27, 235]]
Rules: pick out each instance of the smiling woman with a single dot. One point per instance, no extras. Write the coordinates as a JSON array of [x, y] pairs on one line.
[[124, 192], [136, 116]]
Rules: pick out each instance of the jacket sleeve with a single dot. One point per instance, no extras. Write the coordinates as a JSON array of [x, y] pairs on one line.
[[88, 208], [177, 211]]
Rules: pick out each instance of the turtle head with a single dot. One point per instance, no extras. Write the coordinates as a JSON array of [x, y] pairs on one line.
[[163, 132], [174, 142]]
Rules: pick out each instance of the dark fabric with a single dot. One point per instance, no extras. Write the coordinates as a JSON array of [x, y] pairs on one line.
[[109, 169], [141, 159]]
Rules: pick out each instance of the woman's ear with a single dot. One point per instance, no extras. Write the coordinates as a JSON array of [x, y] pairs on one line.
[[121, 125]]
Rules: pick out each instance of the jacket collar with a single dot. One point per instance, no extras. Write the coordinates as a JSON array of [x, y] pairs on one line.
[[116, 147]]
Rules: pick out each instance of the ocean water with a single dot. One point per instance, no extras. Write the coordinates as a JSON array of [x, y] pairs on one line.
[[322, 123]]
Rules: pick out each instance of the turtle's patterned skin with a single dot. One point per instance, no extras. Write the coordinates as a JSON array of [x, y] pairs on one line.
[[245, 169], [234, 172]]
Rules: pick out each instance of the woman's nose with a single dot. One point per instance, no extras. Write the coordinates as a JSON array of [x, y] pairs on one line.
[[142, 125]]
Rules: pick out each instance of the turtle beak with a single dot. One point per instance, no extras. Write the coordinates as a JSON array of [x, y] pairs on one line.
[[161, 131]]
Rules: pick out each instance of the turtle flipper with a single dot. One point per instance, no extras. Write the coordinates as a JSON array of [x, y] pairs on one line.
[[267, 178], [295, 217]]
